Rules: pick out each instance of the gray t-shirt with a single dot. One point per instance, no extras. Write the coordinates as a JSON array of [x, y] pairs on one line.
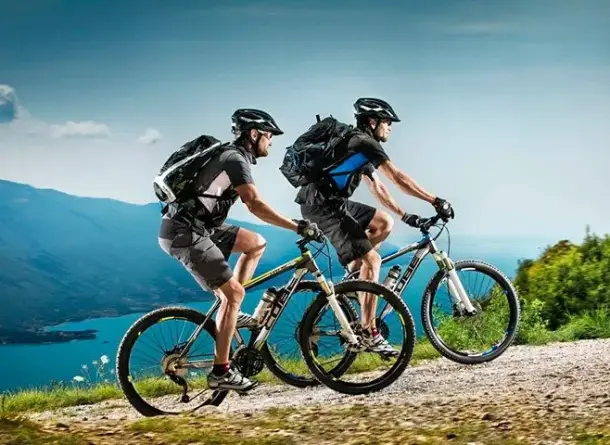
[[229, 169], [215, 185]]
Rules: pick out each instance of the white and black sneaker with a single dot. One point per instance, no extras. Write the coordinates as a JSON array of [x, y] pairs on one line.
[[378, 344], [246, 321], [231, 380]]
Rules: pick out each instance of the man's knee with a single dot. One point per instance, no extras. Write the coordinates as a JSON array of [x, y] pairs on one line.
[[372, 259], [388, 224], [384, 224], [233, 291], [259, 244]]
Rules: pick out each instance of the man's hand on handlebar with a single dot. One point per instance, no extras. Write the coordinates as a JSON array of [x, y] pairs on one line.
[[309, 230], [443, 208], [416, 221]]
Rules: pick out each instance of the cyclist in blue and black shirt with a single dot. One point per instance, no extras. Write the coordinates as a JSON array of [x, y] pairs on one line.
[[355, 229]]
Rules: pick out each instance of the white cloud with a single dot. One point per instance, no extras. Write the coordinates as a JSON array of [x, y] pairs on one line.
[[9, 105], [150, 136], [19, 121], [80, 129]]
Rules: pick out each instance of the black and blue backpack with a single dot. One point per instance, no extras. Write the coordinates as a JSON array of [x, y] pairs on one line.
[[316, 156]]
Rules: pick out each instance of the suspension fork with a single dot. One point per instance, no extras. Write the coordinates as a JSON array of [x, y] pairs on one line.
[[456, 289], [329, 290]]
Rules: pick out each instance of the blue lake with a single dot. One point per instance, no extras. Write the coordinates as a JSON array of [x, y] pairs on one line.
[[37, 365]]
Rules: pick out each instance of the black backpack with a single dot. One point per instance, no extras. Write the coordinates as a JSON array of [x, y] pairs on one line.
[[175, 180], [314, 152]]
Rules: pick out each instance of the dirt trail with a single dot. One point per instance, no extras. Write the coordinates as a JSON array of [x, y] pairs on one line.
[[557, 388]]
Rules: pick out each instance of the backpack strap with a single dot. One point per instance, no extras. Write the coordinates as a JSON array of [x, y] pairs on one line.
[[192, 206]]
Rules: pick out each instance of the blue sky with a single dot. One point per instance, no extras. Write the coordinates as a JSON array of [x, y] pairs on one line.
[[505, 104]]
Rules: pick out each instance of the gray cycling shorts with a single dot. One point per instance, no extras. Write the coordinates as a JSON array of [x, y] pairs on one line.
[[205, 257]]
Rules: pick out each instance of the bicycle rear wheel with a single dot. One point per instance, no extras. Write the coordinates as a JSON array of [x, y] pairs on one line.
[[368, 371], [154, 342], [470, 339]]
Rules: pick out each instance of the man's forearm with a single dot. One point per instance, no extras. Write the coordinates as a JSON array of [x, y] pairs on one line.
[[263, 211], [383, 196], [407, 185]]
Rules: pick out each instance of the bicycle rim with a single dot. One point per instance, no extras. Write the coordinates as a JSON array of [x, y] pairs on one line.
[[369, 371], [143, 375], [472, 339]]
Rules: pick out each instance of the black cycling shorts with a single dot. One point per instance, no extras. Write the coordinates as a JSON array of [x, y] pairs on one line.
[[344, 223], [205, 257]]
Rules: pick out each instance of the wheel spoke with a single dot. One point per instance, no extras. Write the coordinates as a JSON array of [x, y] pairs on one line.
[[473, 338]]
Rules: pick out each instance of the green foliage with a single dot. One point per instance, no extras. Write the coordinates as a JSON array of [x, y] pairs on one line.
[[568, 279], [57, 397], [479, 333], [533, 327], [590, 325]]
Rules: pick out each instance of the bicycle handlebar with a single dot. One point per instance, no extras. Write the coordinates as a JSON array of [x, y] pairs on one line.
[[425, 229], [308, 238]]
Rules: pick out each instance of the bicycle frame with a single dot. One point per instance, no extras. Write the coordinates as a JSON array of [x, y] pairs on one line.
[[303, 264], [423, 247]]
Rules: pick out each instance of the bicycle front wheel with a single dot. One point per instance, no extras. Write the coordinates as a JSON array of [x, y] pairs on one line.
[[282, 350], [324, 343], [471, 339]]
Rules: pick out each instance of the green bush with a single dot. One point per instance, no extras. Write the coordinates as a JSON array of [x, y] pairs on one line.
[[569, 280]]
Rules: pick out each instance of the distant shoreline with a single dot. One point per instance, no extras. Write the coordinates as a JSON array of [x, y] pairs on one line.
[[38, 334], [23, 337], [41, 336]]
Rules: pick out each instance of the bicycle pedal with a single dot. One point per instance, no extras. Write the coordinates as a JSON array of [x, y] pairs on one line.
[[387, 357], [247, 392]]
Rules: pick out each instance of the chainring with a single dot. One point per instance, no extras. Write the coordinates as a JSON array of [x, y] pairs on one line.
[[249, 362]]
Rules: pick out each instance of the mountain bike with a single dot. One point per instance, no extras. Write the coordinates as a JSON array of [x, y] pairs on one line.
[[456, 326], [487, 317], [178, 362]]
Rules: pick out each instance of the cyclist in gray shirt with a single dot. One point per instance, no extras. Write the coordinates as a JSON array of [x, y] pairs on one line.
[[202, 241]]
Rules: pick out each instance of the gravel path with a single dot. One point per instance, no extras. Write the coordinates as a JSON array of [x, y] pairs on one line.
[[569, 377]]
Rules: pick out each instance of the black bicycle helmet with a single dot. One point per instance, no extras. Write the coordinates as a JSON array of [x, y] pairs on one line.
[[247, 118], [371, 107]]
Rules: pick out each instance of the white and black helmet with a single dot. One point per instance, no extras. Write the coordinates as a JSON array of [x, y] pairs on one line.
[[377, 108], [245, 119]]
